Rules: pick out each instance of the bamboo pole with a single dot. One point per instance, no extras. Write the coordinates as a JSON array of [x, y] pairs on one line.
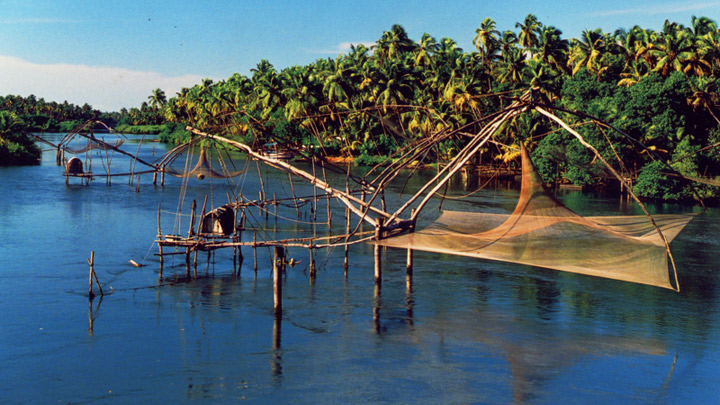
[[622, 180], [91, 262], [347, 238], [255, 252], [278, 256], [280, 165], [378, 235], [312, 264], [292, 188], [160, 238], [314, 192]]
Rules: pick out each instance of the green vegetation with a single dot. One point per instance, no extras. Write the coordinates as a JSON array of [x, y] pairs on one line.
[[16, 147], [658, 87]]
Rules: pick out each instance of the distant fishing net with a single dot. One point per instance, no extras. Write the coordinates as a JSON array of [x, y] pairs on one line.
[[186, 162], [543, 232], [88, 144]]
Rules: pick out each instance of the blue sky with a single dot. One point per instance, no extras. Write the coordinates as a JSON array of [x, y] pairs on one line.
[[112, 54]]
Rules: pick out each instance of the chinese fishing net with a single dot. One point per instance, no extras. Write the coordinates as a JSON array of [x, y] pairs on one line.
[[543, 232], [185, 163]]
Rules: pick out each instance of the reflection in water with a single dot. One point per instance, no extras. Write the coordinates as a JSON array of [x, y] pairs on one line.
[[276, 355], [91, 315]]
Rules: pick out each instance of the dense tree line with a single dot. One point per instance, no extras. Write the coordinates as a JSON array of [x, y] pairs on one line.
[[39, 115], [659, 87], [19, 116]]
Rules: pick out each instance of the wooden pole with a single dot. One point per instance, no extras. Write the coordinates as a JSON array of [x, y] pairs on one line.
[[275, 203], [159, 239], [314, 192], [378, 236], [91, 262], [347, 238], [342, 196], [292, 188], [90, 275], [255, 253], [312, 264], [278, 254], [409, 267], [329, 213]]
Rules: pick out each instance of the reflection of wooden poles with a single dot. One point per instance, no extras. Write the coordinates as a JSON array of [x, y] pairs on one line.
[[91, 262]]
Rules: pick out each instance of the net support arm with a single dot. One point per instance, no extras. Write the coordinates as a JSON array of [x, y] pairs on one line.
[[346, 198], [617, 175]]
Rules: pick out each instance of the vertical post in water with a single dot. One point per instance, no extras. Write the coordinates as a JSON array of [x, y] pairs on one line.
[[159, 239], [378, 235], [275, 203], [292, 188], [255, 253], [90, 275], [347, 238], [409, 267], [91, 262], [312, 264], [329, 213], [314, 192], [278, 253]]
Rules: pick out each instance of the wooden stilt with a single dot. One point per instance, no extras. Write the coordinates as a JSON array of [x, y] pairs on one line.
[[278, 254], [255, 253], [159, 244], [329, 213], [91, 262], [409, 266], [314, 192], [346, 264], [292, 188], [378, 235], [312, 265]]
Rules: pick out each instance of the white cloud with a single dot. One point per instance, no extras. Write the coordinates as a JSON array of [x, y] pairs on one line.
[[658, 9], [104, 88], [343, 48]]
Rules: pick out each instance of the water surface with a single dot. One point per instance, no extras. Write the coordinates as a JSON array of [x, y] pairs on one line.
[[468, 330]]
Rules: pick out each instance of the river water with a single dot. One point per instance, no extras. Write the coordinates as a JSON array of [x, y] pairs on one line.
[[469, 331]]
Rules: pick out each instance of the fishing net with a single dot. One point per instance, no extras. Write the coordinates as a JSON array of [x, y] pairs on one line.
[[201, 167], [543, 232], [87, 144]]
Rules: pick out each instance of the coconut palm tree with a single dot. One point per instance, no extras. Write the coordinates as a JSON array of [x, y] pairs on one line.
[[157, 99], [528, 35], [486, 40], [673, 49], [588, 50]]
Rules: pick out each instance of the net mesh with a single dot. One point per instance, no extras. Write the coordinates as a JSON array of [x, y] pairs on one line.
[[203, 167], [543, 232]]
